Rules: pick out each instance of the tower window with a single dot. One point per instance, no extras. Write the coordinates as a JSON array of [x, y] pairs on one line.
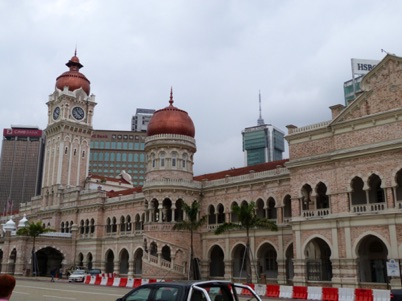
[[66, 150], [83, 154]]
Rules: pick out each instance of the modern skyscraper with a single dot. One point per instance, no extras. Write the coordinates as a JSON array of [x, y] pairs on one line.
[[140, 120], [21, 166], [262, 143], [115, 151]]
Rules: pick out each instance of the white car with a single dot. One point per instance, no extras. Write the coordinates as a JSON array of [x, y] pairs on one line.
[[77, 276]]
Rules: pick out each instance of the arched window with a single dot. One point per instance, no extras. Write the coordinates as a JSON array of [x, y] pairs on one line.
[[211, 215], [86, 226], [82, 228], [162, 160], [114, 225], [122, 224], [322, 198], [221, 214], [271, 209], [108, 225], [306, 196], [174, 159], [376, 193], [92, 225]]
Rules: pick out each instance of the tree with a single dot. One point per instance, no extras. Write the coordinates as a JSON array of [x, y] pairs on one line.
[[192, 223], [247, 220], [33, 230]]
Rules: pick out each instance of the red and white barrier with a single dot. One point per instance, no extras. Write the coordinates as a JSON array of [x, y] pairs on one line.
[[268, 290]]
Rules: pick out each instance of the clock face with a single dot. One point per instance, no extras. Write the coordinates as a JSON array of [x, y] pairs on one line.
[[56, 113], [78, 113]]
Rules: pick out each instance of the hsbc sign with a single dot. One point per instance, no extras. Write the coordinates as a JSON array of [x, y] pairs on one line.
[[363, 66]]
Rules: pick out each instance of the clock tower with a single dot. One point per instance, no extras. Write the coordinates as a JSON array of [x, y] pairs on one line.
[[68, 131]]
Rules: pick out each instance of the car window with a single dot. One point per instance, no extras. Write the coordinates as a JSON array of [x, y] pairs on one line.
[[141, 294], [166, 294]]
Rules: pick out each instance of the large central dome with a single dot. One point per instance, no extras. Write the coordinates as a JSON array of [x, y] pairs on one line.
[[73, 79], [171, 120]]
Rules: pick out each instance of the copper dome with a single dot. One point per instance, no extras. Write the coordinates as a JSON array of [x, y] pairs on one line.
[[73, 79], [171, 120]]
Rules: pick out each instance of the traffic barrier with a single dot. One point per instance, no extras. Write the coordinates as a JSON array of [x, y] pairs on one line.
[[137, 282], [286, 291], [272, 290], [363, 294], [329, 294], [299, 292], [123, 282], [381, 295], [260, 289], [346, 294], [314, 293], [87, 279]]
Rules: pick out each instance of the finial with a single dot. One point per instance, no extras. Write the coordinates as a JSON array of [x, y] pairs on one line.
[[75, 52], [171, 96]]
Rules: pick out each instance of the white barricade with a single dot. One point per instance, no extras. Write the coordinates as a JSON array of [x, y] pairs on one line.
[[260, 289], [381, 295], [285, 291], [116, 282], [92, 280], [314, 293], [130, 282], [346, 294], [104, 281]]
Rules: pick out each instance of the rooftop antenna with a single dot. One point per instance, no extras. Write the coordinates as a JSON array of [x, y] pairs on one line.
[[260, 121]]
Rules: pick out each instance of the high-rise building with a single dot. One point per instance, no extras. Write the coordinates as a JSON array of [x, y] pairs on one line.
[[115, 151], [262, 143], [351, 88], [140, 120], [21, 166]]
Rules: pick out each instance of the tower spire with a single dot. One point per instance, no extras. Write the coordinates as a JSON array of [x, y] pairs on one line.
[[171, 96], [260, 121]]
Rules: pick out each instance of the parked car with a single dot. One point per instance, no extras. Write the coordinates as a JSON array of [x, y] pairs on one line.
[[94, 272], [77, 276], [213, 290], [73, 268]]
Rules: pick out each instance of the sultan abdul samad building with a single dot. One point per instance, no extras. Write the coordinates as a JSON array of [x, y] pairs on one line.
[[337, 201]]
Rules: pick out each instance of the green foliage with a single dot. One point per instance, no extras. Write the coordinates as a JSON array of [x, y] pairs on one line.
[[248, 219], [33, 229], [191, 224]]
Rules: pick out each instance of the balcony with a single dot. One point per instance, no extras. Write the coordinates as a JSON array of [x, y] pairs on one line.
[[368, 208]]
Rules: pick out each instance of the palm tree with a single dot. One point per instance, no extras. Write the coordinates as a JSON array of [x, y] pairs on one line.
[[192, 223], [33, 230], [247, 220]]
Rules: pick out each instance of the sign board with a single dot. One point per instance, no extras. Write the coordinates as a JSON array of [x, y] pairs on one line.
[[21, 132], [393, 268], [363, 66]]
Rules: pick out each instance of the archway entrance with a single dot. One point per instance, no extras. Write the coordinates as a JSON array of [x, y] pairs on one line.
[[217, 264], [318, 263], [48, 259], [372, 260]]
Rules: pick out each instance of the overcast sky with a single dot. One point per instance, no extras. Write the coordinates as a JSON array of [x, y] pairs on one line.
[[216, 55]]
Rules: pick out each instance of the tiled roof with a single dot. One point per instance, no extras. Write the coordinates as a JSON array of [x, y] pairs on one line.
[[241, 171], [112, 193]]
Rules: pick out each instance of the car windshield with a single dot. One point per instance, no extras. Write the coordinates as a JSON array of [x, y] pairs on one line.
[[78, 272]]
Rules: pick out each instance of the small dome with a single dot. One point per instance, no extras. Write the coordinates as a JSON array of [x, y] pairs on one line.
[[10, 225], [73, 79], [23, 221], [171, 120]]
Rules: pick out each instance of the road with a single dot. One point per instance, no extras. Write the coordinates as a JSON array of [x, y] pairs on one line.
[[61, 290]]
